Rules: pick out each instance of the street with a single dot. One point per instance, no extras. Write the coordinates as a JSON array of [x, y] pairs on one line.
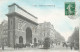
[[56, 48]]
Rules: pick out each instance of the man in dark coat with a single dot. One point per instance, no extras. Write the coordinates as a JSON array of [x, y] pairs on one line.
[[72, 45]]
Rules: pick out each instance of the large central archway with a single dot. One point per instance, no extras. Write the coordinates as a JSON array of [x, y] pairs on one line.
[[28, 35]]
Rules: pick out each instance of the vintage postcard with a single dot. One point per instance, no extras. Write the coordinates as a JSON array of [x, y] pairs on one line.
[[39, 25]]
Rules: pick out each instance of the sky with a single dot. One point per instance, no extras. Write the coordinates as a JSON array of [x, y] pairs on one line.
[[47, 11]]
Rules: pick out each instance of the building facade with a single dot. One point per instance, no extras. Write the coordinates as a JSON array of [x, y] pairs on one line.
[[21, 26], [44, 30], [4, 32]]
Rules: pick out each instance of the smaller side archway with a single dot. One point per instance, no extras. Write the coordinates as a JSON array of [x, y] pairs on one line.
[[35, 40], [20, 39]]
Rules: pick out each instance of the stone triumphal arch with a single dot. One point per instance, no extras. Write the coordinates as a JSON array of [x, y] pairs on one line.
[[21, 26]]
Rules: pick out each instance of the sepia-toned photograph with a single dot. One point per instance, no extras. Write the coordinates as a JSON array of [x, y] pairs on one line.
[[39, 25]]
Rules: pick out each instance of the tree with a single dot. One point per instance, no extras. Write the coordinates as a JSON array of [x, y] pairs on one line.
[[46, 43], [59, 37], [75, 38]]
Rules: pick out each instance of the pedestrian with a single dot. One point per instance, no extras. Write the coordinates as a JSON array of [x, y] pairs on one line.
[[71, 45], [3, 45], [66, 45], [31, 45]]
